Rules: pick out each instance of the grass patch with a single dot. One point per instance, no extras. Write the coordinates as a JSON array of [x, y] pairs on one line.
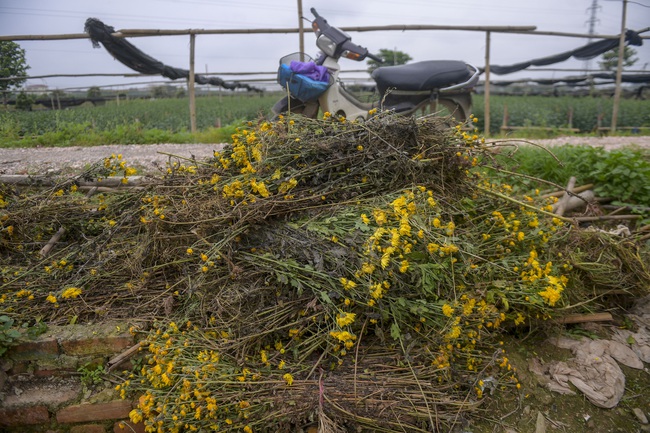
[[622, 173]]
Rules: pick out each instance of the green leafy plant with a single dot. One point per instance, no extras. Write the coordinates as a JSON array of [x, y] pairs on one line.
[[621, 173], [92, 374], [35, 330], [8, 334]]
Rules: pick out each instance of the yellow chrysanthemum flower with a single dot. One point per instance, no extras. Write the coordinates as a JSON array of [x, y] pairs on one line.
[[345, 319], [71, 292]]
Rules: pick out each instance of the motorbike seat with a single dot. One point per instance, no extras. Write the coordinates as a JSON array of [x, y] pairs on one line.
[[428, 75]]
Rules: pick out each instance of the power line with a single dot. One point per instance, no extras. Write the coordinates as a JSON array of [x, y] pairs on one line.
[[62, 13]]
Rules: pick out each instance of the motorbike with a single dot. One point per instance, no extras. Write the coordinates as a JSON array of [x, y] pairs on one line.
[[404, 89]]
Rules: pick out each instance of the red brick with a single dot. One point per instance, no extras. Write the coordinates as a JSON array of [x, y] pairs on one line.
[[128, 427], [88, 428], [117, 409], [106, 345], [24, 416], [38, 372], [31, 350], [20, 368]]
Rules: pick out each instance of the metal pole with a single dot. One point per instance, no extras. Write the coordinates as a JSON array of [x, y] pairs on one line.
[[619, 69], [190, 85], [301, 32], [486, 86]]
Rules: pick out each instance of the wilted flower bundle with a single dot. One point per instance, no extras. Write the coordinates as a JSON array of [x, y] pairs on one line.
[[321, 269], [375, 254]]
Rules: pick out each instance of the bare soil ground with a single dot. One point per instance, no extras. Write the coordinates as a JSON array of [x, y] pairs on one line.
[[536, 409]]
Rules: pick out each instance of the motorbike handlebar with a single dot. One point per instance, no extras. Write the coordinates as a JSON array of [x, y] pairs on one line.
[[342, 40], [375, 58]]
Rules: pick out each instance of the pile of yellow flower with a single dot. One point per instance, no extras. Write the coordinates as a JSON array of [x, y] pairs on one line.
[[438, 272], [321, 269]]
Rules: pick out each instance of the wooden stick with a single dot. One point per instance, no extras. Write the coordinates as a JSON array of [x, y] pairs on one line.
[[50, 244], [512, 200], [92, 190], [579, 201], [561, 205], [584, 318], [119, 359], [19, 179], [576, 190], [608, 217]]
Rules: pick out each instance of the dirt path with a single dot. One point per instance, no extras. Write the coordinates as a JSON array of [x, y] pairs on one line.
[[609, 143], [50, 160]]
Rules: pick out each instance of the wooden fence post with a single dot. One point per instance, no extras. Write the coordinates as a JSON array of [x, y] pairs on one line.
[[619, 70], [486, 87], [191, 85], [301, 33]]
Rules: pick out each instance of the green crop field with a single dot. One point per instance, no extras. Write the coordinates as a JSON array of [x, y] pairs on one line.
[[554, 112], [167, 120], [131, 121]]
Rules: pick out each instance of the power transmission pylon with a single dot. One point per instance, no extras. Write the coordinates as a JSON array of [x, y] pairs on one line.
[[593, 19]]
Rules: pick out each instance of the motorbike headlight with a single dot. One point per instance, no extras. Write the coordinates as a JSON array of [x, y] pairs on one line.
[[326, 45]]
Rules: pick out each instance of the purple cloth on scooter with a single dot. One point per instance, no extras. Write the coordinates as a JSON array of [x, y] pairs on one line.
[[311, 70]]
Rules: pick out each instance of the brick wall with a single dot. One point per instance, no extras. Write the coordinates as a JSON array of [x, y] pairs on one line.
[[41, 388]]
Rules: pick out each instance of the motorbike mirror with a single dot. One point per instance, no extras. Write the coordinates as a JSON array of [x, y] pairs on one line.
[[327, 45]]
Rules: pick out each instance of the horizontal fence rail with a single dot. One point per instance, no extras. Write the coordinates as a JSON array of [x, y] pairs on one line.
[[129, 33]]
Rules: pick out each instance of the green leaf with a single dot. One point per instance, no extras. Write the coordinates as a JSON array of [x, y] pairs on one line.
[[326, 298], [13, 334], [395, 331], [296, 284], [504, 301], [360, 225]]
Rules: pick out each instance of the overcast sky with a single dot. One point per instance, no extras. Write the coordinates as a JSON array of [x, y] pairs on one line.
[[250, 53]]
